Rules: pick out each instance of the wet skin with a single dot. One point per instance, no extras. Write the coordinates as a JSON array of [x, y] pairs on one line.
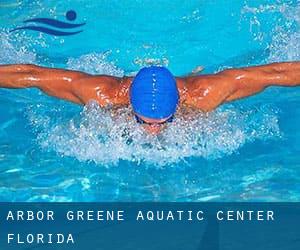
[[203, 92]]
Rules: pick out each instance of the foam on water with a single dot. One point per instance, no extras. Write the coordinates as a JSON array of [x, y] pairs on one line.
[[106, 136]]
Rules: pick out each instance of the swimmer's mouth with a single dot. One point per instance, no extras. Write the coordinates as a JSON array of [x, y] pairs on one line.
[[141, 121]]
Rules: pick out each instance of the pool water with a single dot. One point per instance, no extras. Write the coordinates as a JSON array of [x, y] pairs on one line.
[[248, 150]]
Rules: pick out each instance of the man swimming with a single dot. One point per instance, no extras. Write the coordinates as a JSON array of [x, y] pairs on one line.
[[153, 93]]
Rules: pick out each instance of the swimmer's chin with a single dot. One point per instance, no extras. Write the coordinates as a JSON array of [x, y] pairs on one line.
[[153, 129]]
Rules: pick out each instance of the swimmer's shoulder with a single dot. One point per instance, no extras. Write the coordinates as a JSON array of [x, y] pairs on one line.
[[106, 90], [205, 92], [190, 86]]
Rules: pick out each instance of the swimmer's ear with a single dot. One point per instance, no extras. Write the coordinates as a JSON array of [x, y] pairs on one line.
[[196, 71]]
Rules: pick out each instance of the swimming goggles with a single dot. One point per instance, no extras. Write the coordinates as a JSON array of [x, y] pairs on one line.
[[141, 121]]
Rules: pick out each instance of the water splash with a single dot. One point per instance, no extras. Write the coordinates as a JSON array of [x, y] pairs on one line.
[[106, 136], [95, 63], [195, 16], [143, 62], [285, 45], [264, 8], [12, 51], [285, 36]]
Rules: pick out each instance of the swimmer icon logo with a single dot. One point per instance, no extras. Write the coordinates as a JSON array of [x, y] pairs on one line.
[[57, 28]]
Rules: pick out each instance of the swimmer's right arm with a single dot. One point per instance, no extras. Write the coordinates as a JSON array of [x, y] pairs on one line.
[[74, 86], [54, 82]]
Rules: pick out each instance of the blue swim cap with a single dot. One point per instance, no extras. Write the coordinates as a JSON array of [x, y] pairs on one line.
[[154, 93]]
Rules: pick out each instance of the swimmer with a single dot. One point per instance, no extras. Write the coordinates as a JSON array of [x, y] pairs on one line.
[[154, 93]]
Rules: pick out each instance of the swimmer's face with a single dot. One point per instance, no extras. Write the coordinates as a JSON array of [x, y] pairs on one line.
[[153, 126]]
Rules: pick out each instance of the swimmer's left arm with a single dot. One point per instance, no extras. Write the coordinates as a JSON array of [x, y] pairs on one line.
[[252, 80], [207, 92]]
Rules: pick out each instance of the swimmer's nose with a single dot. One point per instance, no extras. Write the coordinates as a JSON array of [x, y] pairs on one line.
[[153, 129]]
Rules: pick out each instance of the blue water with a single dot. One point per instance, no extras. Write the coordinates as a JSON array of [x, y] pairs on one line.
[[52, 150]]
